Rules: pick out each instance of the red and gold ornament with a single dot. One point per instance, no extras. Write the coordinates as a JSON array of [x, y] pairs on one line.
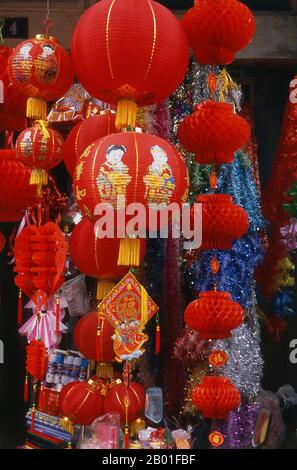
[[126, 400]]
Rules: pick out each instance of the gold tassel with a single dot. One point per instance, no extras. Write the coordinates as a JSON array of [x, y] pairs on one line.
[[36, 108], [39, 176], [67, 424], [129, 252], [126, 114], [143, 306], [104, 370], [137, 426], [103, 288]]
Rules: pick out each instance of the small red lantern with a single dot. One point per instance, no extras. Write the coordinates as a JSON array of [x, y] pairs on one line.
[[121, 51], [42, 70], [217, 29], [41, 149], [222, 221], [125, 400], [36, 359], [215, 397], [214, 315], [92, 337], [214, 132], [84, 134], [64, 392], [83, 402]]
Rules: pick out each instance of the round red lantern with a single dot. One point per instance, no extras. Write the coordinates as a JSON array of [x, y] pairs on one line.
[[16, 192], [218, 29], [214, 315], [85, 337], [64, 392], [41, 149], [222, 221], [42, 70], [214, 132], [215, 397], [84, 134], [133, 396], [133, 52], [83, 402]]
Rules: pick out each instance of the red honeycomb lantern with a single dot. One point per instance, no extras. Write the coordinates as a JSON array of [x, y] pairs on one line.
[[83, 402], [41, 149], [215, 397], [84, 134], [214, 132], [214, 315], [218, 29], [121, 51], [86, 341], [119, 394], [42, 70], [222, 221]]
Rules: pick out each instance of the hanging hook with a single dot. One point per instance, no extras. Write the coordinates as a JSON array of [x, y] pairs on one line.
[[48, 21], [2, 22]]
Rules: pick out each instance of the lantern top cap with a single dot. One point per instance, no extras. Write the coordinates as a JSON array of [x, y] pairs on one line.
[[42, 37]]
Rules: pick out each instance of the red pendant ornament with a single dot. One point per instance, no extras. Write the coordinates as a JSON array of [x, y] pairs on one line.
[[41, 69], [214, 315], [41, 149], [213, 132], [85, 337], [218, 29], [218, 358], [83, 402], [122, 398], [121, 51], [216, 439], [222, 221], [215, 397], [36, 359], [84, 134]]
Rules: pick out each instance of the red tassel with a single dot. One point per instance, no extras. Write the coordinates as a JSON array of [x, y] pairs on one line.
[[41, 398], [126, 438], [158, 339], [20, 308], [33, 418], [26, 389], [57, 315]]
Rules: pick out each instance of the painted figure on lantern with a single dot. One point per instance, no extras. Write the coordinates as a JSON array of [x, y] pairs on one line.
[[24, 57], [113, 177], [159, 181], [26, 144], [49, 73]]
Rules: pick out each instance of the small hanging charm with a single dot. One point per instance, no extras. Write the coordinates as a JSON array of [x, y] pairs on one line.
[[212, 83], [213, 178], [57, 315], [26, 388], [98, 337], [215, 266], [126, 435], [158, 334], [33, 417], [20, 307]]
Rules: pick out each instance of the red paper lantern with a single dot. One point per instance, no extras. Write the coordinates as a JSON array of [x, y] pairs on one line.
[[134, 51], [137, 167], [119, 394], [215, 397], [13, 107], [218, 29], [41, 149], [222, 221], [64, 392], [214, 315], [84, 134], [214, 132], [16, 192], [83, 402], [97, 257], [42, 70], [85, 338], [36, 359]]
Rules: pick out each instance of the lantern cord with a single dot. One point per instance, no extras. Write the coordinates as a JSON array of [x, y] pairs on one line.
[[48, 21]]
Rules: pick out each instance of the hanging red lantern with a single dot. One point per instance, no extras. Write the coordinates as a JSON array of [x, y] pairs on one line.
[[83, 402], [41, 69], [125, 399], [40, 148], [222, 221], [218, 29], [214, 132], [13, 105], [87, 329], [84, 134], [36, 359], [215, 397], [64, 392], [214, 315], [121, 51]]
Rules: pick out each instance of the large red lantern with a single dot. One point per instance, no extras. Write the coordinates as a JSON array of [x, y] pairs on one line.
[[214, 315], [83, 402], [42, 70], [214, 132], [222, 221], [99, 348], [215, 397], [84, 134], [125, 399], [41, 149], [121, 51], [218, 29], [16, 192]]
